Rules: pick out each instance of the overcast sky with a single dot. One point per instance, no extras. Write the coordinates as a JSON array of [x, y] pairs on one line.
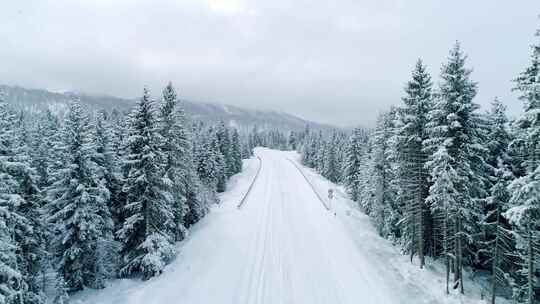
[[335, 61]]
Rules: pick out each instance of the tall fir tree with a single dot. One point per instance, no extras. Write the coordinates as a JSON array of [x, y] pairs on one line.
[[145, 233], [236, 152], [524, 211], [454, 125], [413, 177], [224, 140], [353, 162], [175, 147], [497, 245], [78, 206]]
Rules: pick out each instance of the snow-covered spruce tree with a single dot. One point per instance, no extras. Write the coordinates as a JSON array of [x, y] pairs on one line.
[[343, 139], [236, 153], [384, 207], [41, 154], [523, 214], [308, 149], [221, 162], [524, 211], [197, 197], [22, 199], [106, 168], [175, 146], [118, 149], [353, 162], [413, 178], [147, 244], [443, 200], [320, 152], [454, 125], [331, 169], [497, 243], [208, 166], [224, 139], [11, 282], [368, 191], [500, 242], [77, 206], [292, 142]]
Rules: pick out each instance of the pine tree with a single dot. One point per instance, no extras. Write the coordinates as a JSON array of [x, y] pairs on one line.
[[524, 211], [10, 277], [353, 162], [224, 140], [384, 208], [367, 182], [106, 169], [210, 160], [292, 141], [331, 170], [443, 199], [12, 283], [145, 233], [500, 244], [118, 150], [498, 239], [412, 157], [78, 206], [175, 147], [454, 125], [22, 200], [236, 153]]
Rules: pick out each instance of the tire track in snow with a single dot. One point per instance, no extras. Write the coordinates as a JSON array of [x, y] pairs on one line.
[[258, 251], [310, 185], [242, 201]]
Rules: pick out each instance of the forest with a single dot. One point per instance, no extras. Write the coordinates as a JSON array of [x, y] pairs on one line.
[[87, 196], [445, 181]]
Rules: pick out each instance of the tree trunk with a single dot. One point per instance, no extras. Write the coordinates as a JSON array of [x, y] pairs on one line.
[[530, 267], [460, 257], [445, 249], [420, 211], [495, 264]]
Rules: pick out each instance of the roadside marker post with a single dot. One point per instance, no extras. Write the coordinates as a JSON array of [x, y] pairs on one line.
[[330, 197]]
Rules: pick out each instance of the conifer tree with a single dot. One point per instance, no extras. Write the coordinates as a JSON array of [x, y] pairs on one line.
[[353, 162], [331, 170], [498, 240], [236, 153], [224, 140], [454, 125], [78, 206], [524, 211], [175, 147], [412, 176], [145, 233], [10, 276], [443, 200]]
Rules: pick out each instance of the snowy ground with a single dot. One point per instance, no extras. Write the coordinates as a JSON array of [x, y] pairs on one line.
[[283, 246]]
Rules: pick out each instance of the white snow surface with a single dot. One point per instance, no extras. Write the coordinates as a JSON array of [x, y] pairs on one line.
[[283, 246]]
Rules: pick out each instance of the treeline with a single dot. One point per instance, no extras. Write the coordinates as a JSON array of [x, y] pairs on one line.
[[88, 196], [442, 179]]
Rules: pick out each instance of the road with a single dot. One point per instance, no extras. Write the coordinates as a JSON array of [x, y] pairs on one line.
[[282, 246]]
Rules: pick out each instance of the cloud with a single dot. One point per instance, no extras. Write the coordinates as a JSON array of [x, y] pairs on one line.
[[334, 61]]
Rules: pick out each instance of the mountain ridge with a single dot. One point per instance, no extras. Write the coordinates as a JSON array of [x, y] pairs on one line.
[[242, 118]]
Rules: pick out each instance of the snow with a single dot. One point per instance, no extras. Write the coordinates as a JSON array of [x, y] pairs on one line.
[[283, 246]]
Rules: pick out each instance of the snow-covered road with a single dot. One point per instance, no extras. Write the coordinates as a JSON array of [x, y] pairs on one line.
[[282, 246]]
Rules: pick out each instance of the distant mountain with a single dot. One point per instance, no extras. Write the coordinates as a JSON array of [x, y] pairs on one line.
[[242, 118]]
